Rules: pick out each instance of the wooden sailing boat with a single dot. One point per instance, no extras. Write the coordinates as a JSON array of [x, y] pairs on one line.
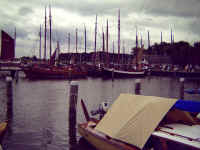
[[52, 69], [143, 122], [95, 69], [118, 72]]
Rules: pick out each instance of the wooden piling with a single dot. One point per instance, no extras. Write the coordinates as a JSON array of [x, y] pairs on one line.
[[181, 93], [12, 73], [137, 86], [9, 114], [73, 97], [16, 76]]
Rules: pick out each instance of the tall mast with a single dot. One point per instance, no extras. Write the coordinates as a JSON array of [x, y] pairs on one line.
[[113, 47], [50, 17], [76, 39], [107, 44], [119, 36], [103, 46], [113, 51], [58, 46], [141, 41], [123, 53], [85, 40], [45, 35], [68, 42], [161, 37], [136, 37], [148, 40], [15, 41], [40, 34], [58, 51], [95, 39], [173, 37]]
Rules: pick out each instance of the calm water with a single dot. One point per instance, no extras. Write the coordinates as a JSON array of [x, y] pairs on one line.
[[39, 117]]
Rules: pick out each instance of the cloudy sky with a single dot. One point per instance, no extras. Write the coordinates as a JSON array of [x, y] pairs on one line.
[[157, 16]]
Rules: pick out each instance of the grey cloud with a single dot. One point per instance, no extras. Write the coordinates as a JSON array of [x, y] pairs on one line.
[[181, 8], [194, 26], [21, 33], [183, 15], [23, 11]]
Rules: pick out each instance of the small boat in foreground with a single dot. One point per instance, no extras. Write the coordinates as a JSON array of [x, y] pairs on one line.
[[143, 122], [102, 141]]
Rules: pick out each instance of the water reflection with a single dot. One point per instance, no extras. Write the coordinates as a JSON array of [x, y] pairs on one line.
[[39, 114], [9, 91]]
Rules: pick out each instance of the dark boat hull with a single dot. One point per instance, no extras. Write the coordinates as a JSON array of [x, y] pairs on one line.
[[188, 74], [163, 73], [175, 74]]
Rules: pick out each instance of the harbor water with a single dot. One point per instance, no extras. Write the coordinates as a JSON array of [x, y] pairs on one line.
[[39, 109]]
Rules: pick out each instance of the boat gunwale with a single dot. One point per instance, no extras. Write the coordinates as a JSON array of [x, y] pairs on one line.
[[109, 140], [128, 72]]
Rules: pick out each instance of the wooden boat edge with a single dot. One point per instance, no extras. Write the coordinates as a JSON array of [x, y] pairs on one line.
[[96, 139]]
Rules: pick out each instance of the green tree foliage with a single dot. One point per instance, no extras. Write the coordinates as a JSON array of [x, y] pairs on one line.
[[181, 52]]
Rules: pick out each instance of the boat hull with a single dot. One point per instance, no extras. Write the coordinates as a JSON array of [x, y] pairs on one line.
[[188, 74], [94, 72], [175, 74], [162, 73], [113, 73], [101, 141], [48, 73]]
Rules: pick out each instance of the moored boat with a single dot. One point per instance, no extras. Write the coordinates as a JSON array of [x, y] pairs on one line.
[[117, 73], [55, 72], [144, 122]]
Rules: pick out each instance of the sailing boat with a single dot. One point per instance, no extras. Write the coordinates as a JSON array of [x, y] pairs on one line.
[[52, 69], [129, 73], [94, 69], [118, 72]]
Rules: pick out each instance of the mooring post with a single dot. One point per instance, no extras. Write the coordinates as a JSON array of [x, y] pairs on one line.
[[112, 74], [9, 91], [16, 76], [12, 73], [73, 97], [181, 88], [137, 86]]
